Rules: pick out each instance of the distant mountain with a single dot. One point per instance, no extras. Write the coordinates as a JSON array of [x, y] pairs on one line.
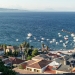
[[12, 10]]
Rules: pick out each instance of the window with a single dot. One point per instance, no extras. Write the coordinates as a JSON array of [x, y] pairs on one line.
[[38, 70], [27, 68], [35, 70], [30, 69]]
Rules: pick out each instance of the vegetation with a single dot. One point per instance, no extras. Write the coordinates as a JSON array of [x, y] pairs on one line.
[[4, 47], [5, 70], [45, 49], [21, 67], [28, 51], [29, 57], [35, 52]]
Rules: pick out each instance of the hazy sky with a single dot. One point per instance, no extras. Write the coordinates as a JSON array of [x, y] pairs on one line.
[[53, 5]]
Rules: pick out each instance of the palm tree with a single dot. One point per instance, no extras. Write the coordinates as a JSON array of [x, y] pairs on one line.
[[24, 44], [47, 48], [1, 46], [26, 47], [4, 47], [42, 47], [20, 48]]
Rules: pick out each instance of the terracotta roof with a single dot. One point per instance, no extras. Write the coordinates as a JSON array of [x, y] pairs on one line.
[[29, 62], [49, 70], [39, 64], [6, 61], [15, 60], [23, 65]]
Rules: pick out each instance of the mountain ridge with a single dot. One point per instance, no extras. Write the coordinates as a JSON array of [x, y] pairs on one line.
[[11, 10]]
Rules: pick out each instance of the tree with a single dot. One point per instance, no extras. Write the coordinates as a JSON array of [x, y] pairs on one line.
[[27, 45], [31, 47], [47, 48], [42, 47], [5, 70], [4, 47], [20, 48], [29, 57], [26, 50], [35, 52], [15, 53]]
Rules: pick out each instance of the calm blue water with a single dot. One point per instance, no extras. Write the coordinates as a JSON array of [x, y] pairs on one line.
[[41, 25]]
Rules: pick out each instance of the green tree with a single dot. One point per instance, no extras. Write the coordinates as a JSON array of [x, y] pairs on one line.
[[35, 52], [26, 47], [29, 57], [5, 70], [15, 53], [21, 67], [20, 47], [47, 48]]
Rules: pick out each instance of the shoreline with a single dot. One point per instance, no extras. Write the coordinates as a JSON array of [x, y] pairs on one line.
[[64, 51]]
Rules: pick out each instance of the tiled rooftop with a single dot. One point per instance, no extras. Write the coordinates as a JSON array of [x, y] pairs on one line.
[[13, 60], [49, 70], [65, 68], [39, 64]]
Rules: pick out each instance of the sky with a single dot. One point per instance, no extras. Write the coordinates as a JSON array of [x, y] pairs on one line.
[[42, 5]]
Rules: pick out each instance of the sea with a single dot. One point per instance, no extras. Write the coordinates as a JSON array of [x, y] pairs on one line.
[[45, 28]]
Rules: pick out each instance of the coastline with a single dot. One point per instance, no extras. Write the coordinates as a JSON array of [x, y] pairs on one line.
[[64, 51]]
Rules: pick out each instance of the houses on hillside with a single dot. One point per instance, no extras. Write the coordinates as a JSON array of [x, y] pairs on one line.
[[51, 63], [11, 48], [46, 63], [12, 61]]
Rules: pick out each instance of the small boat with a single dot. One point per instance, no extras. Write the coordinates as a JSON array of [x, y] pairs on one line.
[[41, 41], [58, 33], [61, 41], [66, 38], [34, 38], [38, 40], [72, 35], [62, 30], [74, 40], [42, 38], [47, 39], [29, 34], [57, 43], [28, 37], [16, 39], [53, 40], [66, 42], [64, 45], [30, 40]]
